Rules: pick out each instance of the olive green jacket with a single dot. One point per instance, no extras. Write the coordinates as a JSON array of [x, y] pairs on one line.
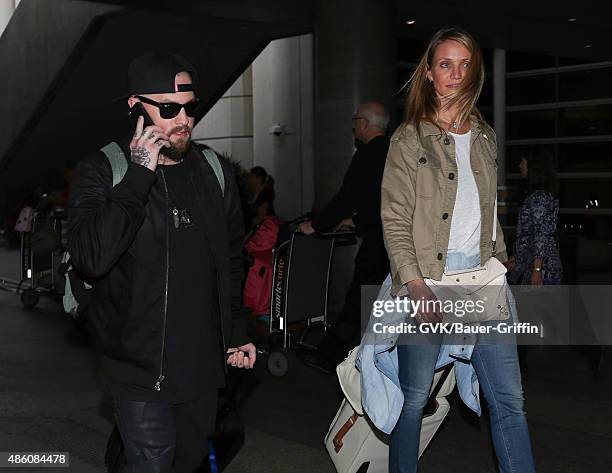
[[418, 197]]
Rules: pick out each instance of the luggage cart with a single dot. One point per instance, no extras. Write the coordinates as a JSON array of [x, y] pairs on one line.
[[300, 288], [40, 257]]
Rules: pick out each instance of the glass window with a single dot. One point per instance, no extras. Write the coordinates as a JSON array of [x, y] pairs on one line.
[[585, 193], [487, 60], [531, 89], [410, 50], [516, 61], [585, 121], [572, 61], [487, 114], [590, 226], [583, 85], [514, 154], [486, 95], [403, 75], [530, 124], [585, 157]]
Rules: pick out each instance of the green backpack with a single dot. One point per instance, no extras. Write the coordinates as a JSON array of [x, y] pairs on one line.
[[119, 166]]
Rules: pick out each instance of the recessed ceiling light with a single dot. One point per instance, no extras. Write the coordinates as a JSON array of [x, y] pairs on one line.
[[588, 46], [410, 22], [571, 20]]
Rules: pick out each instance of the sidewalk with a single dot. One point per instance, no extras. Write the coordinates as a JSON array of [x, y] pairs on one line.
[[49, 401]]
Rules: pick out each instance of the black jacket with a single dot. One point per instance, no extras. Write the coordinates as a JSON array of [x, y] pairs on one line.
[[359, 195], [118, 240]]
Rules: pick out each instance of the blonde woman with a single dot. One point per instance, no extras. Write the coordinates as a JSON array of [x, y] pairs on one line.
[[438, 197]]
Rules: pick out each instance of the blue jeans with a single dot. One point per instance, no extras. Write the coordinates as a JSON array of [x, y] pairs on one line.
[[497, 368]]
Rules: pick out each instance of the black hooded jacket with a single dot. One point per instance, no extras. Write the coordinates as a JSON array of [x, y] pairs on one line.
[[118, 240]]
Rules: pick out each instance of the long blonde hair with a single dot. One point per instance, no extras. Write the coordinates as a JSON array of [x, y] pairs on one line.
[[422, 103]]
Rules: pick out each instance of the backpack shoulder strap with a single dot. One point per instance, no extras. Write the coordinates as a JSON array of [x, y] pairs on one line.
[[215, 164], [119, 166], [117, 160]]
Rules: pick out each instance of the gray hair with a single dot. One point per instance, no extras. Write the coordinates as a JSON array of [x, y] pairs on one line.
[[375, 115]]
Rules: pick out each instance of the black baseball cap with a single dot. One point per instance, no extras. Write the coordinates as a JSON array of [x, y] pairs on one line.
[[155, 73]]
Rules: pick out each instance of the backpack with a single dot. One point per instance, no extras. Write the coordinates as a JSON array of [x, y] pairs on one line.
[[76, 291]]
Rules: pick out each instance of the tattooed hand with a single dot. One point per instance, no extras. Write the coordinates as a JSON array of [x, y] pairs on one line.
[[146, 144]]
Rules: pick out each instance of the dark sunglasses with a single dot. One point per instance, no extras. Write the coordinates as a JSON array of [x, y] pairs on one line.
[[169, 110]]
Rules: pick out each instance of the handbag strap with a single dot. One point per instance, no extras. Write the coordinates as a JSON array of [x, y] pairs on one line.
[[432, 404], [494, 238], [440, 383], [495, 220]]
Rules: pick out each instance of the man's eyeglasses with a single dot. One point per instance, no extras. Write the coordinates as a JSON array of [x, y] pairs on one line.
[[169, 110]]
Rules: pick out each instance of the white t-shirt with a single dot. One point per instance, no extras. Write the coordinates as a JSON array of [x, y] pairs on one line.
[[465, 223]]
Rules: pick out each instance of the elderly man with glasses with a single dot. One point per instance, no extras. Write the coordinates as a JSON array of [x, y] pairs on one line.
[[357, 203]]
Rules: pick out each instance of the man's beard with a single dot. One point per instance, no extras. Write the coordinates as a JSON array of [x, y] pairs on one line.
[[177, 150]]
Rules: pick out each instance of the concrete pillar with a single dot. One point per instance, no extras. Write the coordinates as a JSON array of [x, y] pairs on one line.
[[283, 108], [6, 11], [275, 91], [228, 126], [499, 111], [355, 62], [355, 54]]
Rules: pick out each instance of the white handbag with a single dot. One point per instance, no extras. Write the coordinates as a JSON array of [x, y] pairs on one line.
[[474, 295], [354, 444], [350, 380]]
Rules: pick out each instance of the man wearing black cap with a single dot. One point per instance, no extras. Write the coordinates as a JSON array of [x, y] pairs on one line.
[[162, 250]]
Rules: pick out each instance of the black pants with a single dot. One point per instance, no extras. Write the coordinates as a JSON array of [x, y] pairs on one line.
[[371, 268], [161, 437]]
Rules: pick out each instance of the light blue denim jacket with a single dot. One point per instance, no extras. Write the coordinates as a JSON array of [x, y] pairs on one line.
[[381, 394]]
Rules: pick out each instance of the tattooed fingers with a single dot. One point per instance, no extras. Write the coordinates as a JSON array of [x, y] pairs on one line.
[[163, 143], [139, 127], [141, 156], [146, 144]]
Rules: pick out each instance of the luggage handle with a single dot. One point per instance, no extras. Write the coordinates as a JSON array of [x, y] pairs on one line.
[[343, 431]]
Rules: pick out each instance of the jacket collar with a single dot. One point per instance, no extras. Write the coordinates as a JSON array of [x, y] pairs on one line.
[[429, 129]]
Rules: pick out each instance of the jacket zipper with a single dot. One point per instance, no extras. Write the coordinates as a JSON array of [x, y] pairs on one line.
[[161, 376]]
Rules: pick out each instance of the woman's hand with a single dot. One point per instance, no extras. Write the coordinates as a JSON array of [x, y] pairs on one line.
[[536, 276], [421, 294]]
